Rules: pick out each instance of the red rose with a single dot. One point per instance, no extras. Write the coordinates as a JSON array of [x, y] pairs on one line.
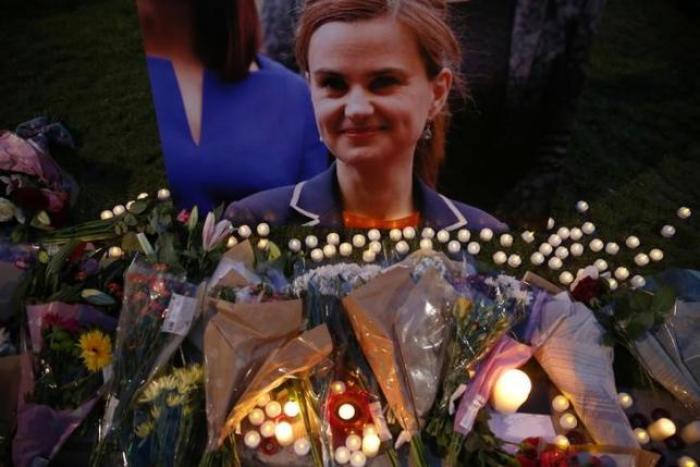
[[553, 458], [183, 216], [586, 290], [30, 198], [525, 461]]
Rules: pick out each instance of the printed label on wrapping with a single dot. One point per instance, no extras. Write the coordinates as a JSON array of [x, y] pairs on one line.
[[467, 422], [179, 316]]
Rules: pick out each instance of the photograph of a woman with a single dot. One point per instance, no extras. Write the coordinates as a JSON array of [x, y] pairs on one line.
[[380, 77], [232, 122]]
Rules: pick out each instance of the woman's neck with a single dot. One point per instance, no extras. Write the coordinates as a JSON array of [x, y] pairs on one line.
[[379, 191]]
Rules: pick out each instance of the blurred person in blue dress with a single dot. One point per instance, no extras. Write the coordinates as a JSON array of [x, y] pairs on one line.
[[380, 73], [232, 122]]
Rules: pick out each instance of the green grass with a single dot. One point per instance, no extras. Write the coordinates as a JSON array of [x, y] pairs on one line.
[[83, 63], [635, 155]]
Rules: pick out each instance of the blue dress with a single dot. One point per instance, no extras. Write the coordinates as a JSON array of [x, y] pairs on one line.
[[256, 134]]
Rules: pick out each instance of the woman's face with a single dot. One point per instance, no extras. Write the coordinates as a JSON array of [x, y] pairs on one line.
[[370, 91]]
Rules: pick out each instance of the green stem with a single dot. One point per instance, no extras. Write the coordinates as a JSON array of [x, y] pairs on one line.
[[417, 451], [304, 404]]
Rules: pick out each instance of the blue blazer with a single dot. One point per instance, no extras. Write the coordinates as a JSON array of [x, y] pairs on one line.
[[317, 202]]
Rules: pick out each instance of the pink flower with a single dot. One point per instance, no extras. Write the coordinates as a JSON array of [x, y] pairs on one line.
[[213, 234], [183, 216]]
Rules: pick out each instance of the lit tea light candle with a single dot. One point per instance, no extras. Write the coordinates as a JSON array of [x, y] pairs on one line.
[[641, 435], [370, 444], [317, 255], [683, 212], [625, 400], [329, 251], [273, 409], [359, 241], [252, 439], [342, 455], [582, 206], [576, 249], [656, 254], [311, 241], [575, 234], [486, 234], [302, 446], [561, 441], [118, 210], [409, 233], [499, 258], [369, 429], [506, 240], [632, 242], [691, 432], [568, 421], [511, 390], [375, 246], [256, 417], [346, 411], [291, 409], [537, 258], [353, 442], [546, 249], [333, 239], [231, 242], [244, 231], [560, 403], [443, 236], [528, 236], [686, 461], [345, 249], [284, 433], [454, 247], [426, 244], [661, 429], [106, 215], [263, 400], [267, 429], [473, 248], [588, 228], [358, 459], [402, 247], [374, 235], [263, 229], [395, 235], [294, 245]]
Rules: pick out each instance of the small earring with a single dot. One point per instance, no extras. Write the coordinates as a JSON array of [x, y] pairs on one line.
[[428, 131]]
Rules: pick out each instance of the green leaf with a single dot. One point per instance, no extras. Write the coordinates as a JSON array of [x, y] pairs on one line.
[[139, 206], [166, 249], [663, 300], [96, 297], [130, 242], [640, 323], [130, 220], [194, 218], [273, 251], [43, 218]]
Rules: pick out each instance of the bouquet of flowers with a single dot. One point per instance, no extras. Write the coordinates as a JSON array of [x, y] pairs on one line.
[[288, 366], [168, 416], [402, 329], [237, 340], [158, 310], [34, 191], [72, 361]]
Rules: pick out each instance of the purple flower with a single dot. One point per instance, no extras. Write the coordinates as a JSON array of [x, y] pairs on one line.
[[213, 234]]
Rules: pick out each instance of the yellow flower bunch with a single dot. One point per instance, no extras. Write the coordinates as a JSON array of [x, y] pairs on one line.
[[95, 350]]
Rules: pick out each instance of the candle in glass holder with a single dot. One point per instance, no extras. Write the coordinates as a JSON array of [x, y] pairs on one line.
[[511, 390], [291, 409], [661, 429], [263, 400], [370, 444], [686, 461], [267, 429], [358, 459], [302, 446], [641, 435], [568, 421], [273, 409], [560, 403], [337, 387], [252, 439], [561, 441], [284, 433], [625, 400], [342, 455], [256, 417], [346, 411], [353, 442], [691, 432]]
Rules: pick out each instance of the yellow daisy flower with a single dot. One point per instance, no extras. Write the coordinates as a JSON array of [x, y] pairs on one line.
[[144, 429], [95, 350]]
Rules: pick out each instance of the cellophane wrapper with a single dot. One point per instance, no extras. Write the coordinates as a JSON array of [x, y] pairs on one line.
[[158, 309]]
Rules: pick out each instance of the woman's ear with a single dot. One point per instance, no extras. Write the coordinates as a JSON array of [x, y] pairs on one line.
[[442, 83]]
